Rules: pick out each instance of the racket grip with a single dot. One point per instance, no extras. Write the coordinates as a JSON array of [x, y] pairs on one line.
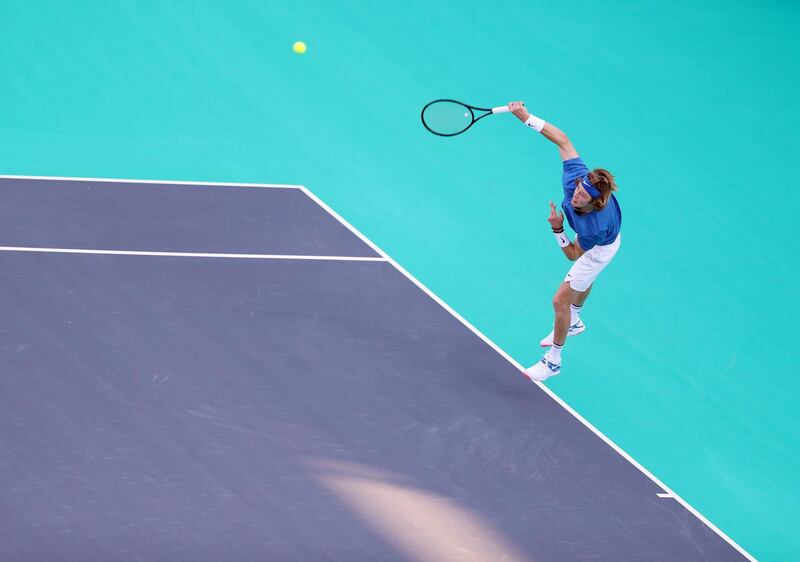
[[501, 109]]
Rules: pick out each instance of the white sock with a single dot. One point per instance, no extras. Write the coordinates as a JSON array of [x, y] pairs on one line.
[[554, 355], [574, 313]]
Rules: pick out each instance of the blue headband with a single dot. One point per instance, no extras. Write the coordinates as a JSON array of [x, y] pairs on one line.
[[590, 189]]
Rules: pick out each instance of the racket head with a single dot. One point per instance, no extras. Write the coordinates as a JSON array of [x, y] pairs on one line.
[[448, 118]]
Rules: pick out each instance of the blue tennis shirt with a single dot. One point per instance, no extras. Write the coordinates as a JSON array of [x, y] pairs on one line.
[[598, 228]]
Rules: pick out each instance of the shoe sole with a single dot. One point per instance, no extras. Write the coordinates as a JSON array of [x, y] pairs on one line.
[[530, 378]]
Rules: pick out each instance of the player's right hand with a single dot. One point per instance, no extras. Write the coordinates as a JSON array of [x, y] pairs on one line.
[[518, 108]]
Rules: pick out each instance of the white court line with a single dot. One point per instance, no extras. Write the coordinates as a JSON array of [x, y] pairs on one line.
[[158, 182], [185, 254], [549, 392], [664, 495]]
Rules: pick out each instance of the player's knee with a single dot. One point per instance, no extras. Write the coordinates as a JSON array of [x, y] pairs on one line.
[[561, 302]]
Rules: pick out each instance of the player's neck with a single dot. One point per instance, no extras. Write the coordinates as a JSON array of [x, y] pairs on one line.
[[585, 210]]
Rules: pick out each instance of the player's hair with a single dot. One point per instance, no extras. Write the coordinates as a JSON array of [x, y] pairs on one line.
[[603, 180]]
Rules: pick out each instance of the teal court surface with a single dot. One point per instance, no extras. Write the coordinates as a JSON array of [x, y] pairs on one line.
[[687, 363]]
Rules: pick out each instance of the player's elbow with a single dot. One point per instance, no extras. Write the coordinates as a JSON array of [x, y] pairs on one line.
[[575, 251]]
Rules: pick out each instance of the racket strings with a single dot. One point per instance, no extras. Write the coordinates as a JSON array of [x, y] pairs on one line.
[[447, 117]]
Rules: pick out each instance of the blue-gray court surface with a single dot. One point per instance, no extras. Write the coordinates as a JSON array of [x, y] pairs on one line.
[[196, 371]]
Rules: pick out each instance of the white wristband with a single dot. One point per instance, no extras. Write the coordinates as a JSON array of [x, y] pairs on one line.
[[562, 239], [535, 123]]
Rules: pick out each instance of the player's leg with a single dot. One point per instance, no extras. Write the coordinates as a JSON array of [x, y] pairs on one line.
[[561, 307], [581, 296], [550, 363], [576, 326]]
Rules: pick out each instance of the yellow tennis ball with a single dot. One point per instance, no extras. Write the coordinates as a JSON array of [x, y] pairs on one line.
[[299, 47]]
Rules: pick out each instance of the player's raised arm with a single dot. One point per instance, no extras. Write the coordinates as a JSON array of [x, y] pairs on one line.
[[550, 131]]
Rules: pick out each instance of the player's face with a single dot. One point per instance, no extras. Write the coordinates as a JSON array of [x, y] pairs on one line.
[[580, 198]]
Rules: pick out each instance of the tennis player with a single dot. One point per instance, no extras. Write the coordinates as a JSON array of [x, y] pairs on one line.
[[593, 213]]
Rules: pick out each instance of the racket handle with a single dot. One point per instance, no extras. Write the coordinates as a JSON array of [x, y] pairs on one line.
[[501, 109]]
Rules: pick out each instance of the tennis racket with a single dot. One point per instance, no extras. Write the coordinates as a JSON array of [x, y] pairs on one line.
[[448, 118]]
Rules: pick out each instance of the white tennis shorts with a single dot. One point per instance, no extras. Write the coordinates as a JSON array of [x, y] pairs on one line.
[[587, 267]]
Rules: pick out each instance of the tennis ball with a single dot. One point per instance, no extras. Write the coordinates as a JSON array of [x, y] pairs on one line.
[[299, 47]]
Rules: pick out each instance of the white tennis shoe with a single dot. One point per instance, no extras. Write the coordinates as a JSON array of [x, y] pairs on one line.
[[574, 330], [543, 370]]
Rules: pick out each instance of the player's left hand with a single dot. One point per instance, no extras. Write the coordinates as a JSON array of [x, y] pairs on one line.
[[556, 220]]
